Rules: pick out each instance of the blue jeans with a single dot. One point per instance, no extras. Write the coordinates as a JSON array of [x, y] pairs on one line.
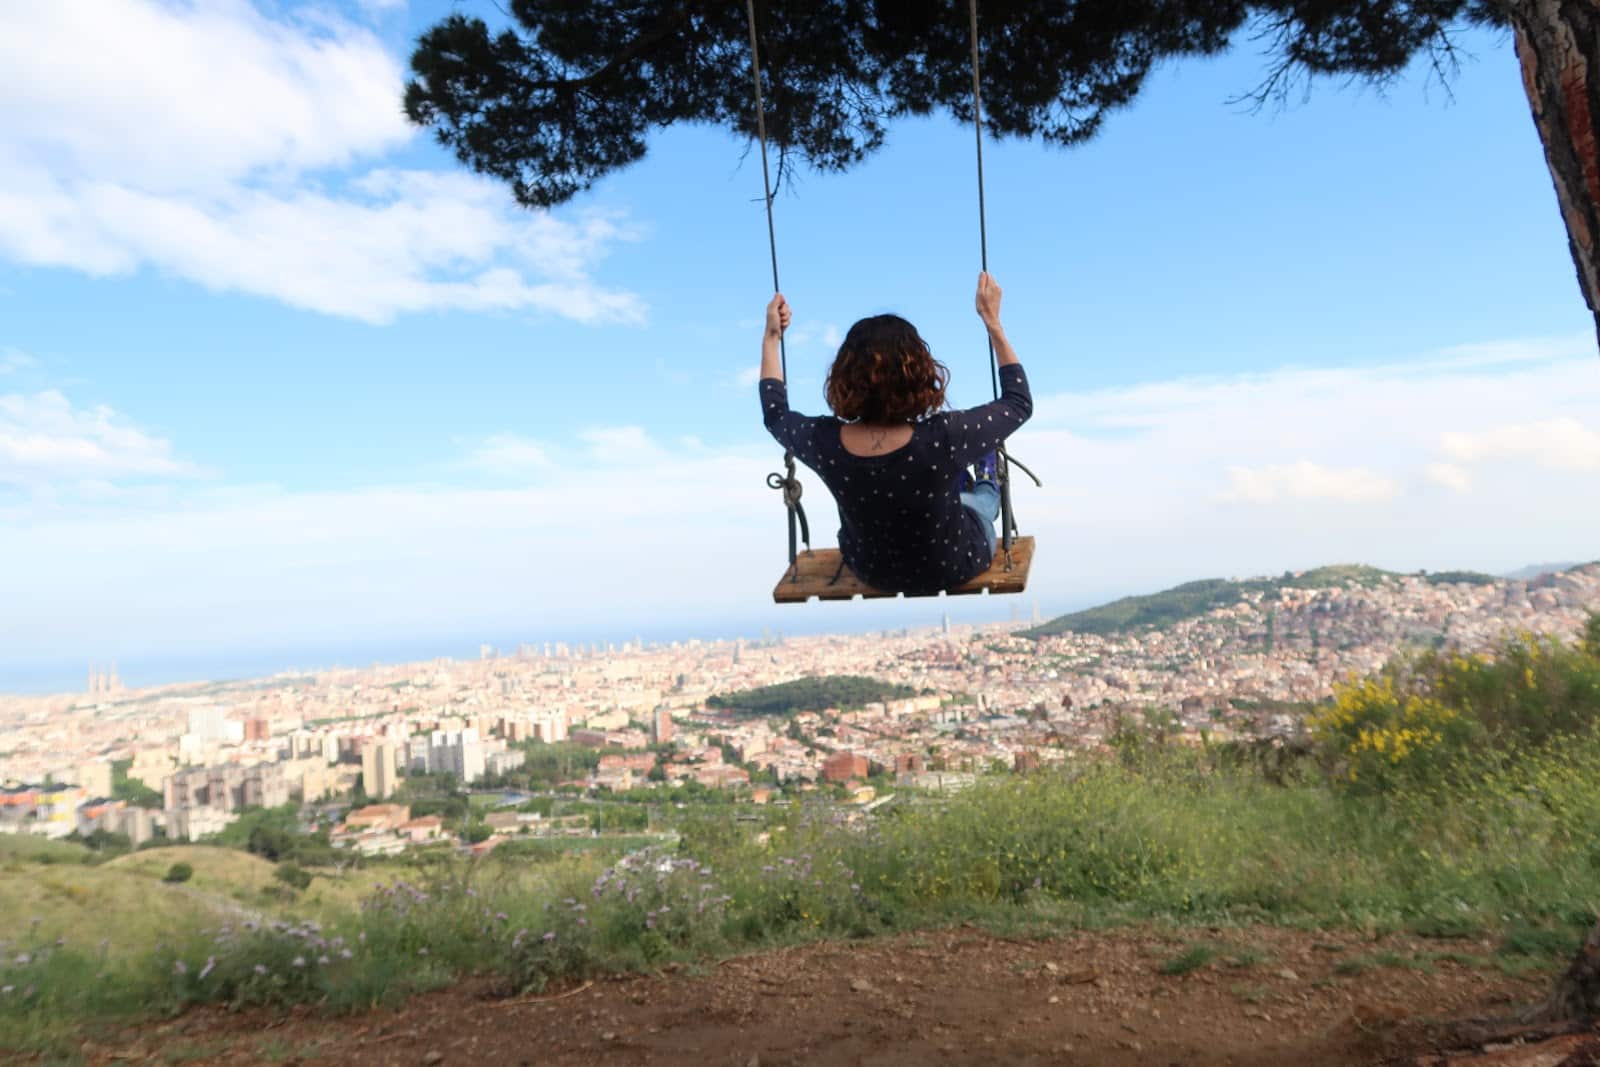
[[983, 500]]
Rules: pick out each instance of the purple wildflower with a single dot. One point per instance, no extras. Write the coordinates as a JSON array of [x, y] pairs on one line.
[[179, 967], [260, 968], [211, 962]]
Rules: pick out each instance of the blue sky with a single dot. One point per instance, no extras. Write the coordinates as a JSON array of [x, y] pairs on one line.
[[282, 384]]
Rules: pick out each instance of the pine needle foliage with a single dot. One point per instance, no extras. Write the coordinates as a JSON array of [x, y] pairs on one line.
[[564, 92]]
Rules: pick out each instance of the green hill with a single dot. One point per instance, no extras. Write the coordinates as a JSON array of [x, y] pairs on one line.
[[52, 892], [1193, 599], [810, 694]]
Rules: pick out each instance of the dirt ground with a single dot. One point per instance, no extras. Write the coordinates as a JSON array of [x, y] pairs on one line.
[[1267, 996]]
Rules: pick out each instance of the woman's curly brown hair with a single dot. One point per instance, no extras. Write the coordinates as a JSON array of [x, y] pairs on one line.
[[884, 372]]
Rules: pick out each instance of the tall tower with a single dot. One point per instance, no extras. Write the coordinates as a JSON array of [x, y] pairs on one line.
[[92, 678], [945, 624]]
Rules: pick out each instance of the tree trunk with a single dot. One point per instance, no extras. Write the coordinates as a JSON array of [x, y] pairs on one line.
[[1558, 44], [1576, 995]]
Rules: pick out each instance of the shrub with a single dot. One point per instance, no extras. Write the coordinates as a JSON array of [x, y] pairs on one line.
[[292, 875], [1388, 736], [178, 872], [1430, 715]]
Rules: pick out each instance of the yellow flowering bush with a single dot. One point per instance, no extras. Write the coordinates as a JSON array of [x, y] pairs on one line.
[[1421, 715], [1384, 735]]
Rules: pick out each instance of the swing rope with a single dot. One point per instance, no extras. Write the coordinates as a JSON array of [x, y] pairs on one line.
[[977, 129], [785, 482], [1008, 525]]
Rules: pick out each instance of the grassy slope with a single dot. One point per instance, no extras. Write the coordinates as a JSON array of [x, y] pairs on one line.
[[88, 905], [125, 902], [1193, 599], [40, 849]]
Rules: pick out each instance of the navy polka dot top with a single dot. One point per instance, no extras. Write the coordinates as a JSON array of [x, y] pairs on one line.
[[903, 526]]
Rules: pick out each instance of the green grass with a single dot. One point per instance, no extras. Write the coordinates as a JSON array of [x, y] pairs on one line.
[[1173, 840], [1385, 960], [1190, 959], [30, 849]]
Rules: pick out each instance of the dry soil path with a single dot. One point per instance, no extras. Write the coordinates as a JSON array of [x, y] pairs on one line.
[[1269, 996]]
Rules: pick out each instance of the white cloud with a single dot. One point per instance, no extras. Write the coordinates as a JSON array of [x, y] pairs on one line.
[[201, 138], [13, 360], [619, 444], [823, 335], [1306, 481], [1561, 444], [192, 94], [406, 242], [511, 454], [1448, 475], [621, 527], [46, 443]]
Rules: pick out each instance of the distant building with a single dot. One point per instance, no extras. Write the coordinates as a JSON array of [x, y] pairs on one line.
[[380, 769], [152, 767], [139, 824], [456, 752], [104, 683], [844, 766], [209, 724], [94, 776], [551, 726], [499, 764], [661, 726], [100, 814], [721, 776], [191, 824], [384, 760], [378, 817], [910, 763], [423, 829], [55, 810], [228, 788]]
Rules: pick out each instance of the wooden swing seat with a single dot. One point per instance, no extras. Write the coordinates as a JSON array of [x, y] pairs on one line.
[[813, 577]]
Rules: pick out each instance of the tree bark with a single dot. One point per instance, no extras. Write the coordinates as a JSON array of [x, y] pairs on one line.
[[1558, 44], [1576, 995]]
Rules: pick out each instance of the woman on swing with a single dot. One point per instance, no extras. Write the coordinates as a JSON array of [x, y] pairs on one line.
[[913, 518]]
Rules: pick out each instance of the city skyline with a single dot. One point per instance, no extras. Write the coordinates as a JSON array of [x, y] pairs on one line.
[[933, 700], [939, 619]]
